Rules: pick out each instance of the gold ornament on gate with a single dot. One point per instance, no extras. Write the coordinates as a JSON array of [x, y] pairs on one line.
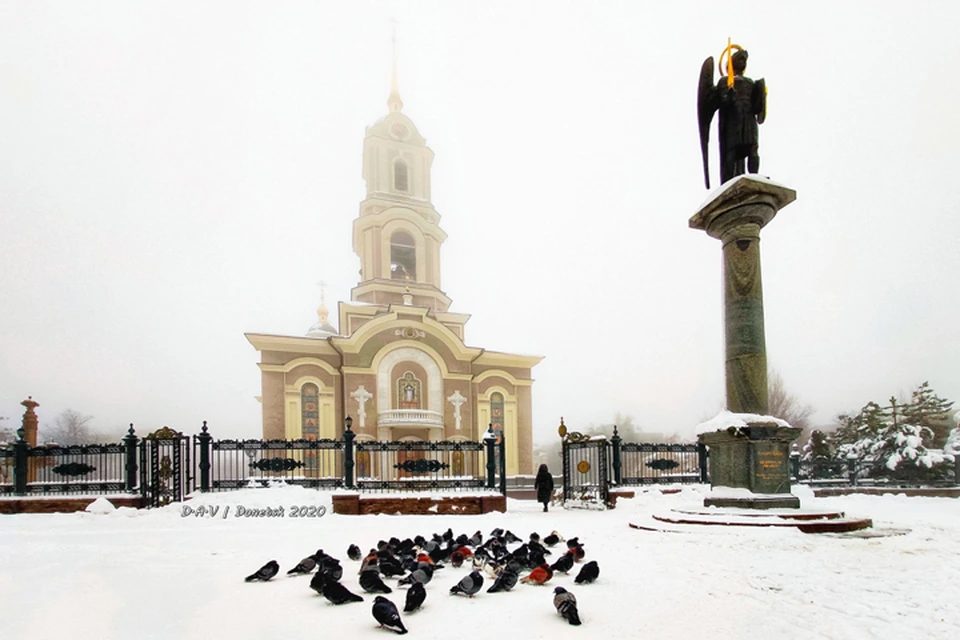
[[583, 466]]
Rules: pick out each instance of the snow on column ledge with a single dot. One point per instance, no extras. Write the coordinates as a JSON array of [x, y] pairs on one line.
[[726, 419]]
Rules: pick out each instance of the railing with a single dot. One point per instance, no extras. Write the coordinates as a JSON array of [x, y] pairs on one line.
[[166, 465], [865, 472], [56, 470], [648, 463], [420, 466], [418, 417], [235, 464]]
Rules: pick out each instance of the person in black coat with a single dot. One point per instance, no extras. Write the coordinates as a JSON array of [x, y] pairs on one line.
[[544, 486]]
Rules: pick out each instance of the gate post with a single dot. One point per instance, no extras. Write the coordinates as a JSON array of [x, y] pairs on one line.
[[130, 441], [204, 440], [702, 461], [795, 463], [501, 445], [348, 436], [20, 462], [615, 441], [603, 477], [489, 442]]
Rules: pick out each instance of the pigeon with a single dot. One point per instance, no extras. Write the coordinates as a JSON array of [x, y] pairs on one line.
[[564, 563], [353, 552], [509, 537], [331, 568], [535, 537], [371, 582], [306, 565], [469, 585], [390, 567], [539, 575], [370, 561], [483, 564], [506, 579], [537, 547], [496, 533], [264, 573], [578, 552], [475, 540], [588, 573], [566, 605], [415, 597], [464, 551], [337, 593], [573, 542], [316, 583], [456, 560], [422, 574], [387, 615], [552, 539]]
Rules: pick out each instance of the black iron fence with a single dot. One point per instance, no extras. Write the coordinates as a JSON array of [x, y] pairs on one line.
[[593, 465], [55, 470], [166, 465], [641, 463], [420, 466], [867, 472]]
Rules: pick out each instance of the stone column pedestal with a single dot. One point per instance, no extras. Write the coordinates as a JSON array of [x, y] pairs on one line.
[[755, 458]]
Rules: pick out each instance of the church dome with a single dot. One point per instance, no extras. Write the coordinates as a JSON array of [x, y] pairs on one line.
[[322, 328]]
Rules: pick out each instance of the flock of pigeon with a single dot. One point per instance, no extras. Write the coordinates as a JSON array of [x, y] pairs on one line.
[[415, 562]]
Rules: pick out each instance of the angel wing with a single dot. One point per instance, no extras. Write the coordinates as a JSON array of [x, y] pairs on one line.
[[706, 106]]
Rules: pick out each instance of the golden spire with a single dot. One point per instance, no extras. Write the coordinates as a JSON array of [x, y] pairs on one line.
[[394, 101], [322, 312]]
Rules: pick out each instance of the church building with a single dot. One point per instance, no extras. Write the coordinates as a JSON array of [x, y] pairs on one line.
[[399, 365]]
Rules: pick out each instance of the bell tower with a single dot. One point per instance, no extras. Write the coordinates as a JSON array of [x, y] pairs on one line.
[[397, 234]]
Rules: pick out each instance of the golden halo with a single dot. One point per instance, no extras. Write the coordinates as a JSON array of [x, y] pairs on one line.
[[728, 50]]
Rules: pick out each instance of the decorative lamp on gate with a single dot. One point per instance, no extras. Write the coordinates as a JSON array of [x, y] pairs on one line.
[[349, 423]]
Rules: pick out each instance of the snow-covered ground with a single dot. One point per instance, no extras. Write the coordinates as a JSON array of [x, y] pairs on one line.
[[157, 574]]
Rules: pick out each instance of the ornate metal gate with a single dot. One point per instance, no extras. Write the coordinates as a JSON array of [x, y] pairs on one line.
[[586, 469], [164, 467]]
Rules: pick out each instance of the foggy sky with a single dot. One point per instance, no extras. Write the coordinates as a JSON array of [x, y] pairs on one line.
[[175, 174]]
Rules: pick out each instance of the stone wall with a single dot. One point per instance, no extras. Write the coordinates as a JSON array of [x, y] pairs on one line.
[[354, 504], [60, 505]]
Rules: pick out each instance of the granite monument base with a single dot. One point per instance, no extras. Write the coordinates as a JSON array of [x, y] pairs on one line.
[[754, 461]]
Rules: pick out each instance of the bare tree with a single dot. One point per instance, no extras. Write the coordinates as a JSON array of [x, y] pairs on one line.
[[7, 433], [70, 428], [786, 406]]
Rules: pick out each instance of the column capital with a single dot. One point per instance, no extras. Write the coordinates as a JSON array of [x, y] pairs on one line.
[[745, 200]]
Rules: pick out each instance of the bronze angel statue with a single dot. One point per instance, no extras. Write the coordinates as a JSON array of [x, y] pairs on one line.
[[742, 104]]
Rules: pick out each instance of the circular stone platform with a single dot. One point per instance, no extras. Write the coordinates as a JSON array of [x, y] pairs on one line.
[[808, 521]]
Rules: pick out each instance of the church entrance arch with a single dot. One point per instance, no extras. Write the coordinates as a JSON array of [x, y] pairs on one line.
[[434, 382]]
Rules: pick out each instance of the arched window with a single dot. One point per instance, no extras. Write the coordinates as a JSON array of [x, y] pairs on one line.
[[403, 256], [401, 175], [309, 412], [310, 421], [496, 420]]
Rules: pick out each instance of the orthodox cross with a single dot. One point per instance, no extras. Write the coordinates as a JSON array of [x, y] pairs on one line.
[[457, 401], [361, 395]]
